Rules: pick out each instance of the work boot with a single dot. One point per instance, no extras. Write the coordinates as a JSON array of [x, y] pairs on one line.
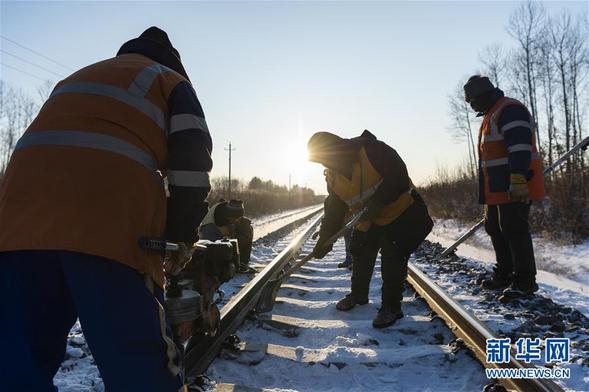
[[386, 317], [348, 302], [346, 263], [245, 269], [496, 282], [518, 290]]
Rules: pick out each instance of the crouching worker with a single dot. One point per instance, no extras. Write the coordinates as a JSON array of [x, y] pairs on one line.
[[82, 186], [368, 173], [226, 220]]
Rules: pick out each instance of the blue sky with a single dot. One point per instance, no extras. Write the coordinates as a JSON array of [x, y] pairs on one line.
[[269, 74]]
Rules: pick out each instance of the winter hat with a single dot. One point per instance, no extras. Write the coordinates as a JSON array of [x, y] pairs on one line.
[[476, 86], [325, 146], [155, 44]]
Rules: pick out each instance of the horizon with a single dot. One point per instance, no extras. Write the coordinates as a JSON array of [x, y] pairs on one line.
[[270, 74]]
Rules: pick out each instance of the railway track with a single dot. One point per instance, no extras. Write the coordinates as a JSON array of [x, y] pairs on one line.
[[305, 331]]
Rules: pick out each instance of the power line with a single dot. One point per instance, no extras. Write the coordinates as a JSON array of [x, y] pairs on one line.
[[24, 72], [37, 53], [31, 63]]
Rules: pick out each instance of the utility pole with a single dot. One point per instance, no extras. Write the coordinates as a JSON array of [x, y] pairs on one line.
[[229, 187], [289, 182]]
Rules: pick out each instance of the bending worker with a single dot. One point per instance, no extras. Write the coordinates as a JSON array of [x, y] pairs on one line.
[[225, 220], [82, 186], [510, 177], [367, 172]]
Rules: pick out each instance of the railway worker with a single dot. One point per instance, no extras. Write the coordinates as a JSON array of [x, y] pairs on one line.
[[510, 177], [366, 172], [226, 220], [82, 186]]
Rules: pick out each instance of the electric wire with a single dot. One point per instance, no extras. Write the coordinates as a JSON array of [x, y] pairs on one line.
[[37, 53], [23, 72], [31, 63]]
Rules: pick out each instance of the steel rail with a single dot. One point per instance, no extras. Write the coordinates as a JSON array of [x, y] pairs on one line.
[[199, 356], [461, 322], [472, 331]]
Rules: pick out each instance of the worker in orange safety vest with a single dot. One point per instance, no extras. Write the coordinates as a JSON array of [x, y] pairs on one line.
[[85, 182], [510, 178]]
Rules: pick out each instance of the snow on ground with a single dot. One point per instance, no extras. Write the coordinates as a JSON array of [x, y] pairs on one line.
[[563, 270], [559, 309], [78, 372], [305, 344], [266, 224], [535, 317]]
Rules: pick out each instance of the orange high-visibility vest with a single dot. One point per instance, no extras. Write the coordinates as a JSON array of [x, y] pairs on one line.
[[494, 158], [355, 192], [85, 176]]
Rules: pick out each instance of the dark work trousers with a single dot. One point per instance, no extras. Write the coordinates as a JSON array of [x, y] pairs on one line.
[[44, 292], [396, 241], [507, 224], [244, 232]]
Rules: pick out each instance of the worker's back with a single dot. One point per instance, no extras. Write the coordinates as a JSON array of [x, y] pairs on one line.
[[83, 176]]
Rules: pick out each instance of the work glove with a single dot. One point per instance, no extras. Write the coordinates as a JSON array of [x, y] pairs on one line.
[[176, 261], [321, 249], [373, 210], [518, 188]]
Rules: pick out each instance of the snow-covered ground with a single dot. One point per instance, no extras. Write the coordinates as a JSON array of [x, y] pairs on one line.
[[563, 270], [266, 224], [559, 309], [79, 373], [305, 344]]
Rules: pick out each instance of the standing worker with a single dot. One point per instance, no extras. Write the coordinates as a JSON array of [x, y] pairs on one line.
[[226, 220], [365, 172], [510, 177], [83, 185]]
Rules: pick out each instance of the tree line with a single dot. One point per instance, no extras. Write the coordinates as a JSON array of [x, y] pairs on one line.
[[263, 196]]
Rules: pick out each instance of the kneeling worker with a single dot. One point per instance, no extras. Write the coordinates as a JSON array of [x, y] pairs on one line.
[[366, 172], [226, 220]]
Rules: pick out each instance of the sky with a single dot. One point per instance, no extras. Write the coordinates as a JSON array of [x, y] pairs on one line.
[[270, 74]]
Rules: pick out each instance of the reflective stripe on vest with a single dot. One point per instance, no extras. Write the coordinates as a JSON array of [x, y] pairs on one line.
[[181, 122], [505, 161], [134, 96], [188, 178], [515, 124], [363, 195], [88, 140]]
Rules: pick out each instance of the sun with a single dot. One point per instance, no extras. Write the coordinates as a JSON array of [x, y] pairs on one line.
[[295, 160]]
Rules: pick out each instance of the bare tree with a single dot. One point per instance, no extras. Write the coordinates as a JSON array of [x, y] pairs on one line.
[[17, 111], [44, 90], [547, 77], [560, 36], [526, 25], [493, 58], [461, 129]]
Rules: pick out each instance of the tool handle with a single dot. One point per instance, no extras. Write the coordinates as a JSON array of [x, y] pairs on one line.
[[157, 244]]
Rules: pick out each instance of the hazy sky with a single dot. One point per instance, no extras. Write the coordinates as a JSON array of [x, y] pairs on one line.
[[269, 74]]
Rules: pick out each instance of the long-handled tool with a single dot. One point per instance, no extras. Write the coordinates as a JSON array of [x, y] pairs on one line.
[[270, 290], [331, 240], [582, 145]]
